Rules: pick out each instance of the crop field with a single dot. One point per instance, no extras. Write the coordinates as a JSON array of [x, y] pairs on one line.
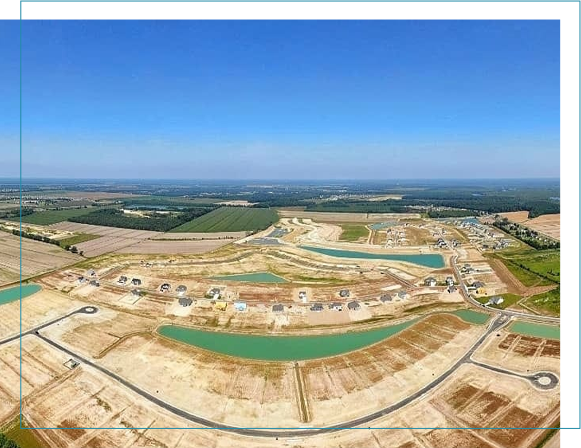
[[174, 246], [37, 257], [548, 302], [231, 219], [77, 239], [110, 238], [49, 217], [353, 232]]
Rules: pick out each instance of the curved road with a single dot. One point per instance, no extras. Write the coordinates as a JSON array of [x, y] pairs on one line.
[[501, 320]]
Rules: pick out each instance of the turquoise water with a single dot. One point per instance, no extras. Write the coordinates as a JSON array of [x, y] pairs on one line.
[[430, 260], [472, 317], [381, 225], [255, 277], [12, 294], [537, 330], [280, 348]]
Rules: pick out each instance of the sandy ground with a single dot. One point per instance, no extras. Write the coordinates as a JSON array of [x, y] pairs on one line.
[[249, 392], [85, 398], [346, 217], [520, 353], [38, 308], [40, 367], [518, 217], [200, 236], [549, 225], [174, 247], [37, 257]]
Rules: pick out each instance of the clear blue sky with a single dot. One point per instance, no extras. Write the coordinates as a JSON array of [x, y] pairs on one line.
[[278, 99]]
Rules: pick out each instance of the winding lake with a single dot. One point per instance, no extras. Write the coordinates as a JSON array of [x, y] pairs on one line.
[[280, 348], [435, 261]]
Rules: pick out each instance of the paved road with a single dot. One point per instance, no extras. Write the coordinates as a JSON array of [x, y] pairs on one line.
[[83, 310], [495, 325]]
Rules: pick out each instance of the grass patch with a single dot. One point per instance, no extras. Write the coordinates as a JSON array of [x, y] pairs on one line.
[[353, 232], [548, 301], [24, 438], [509, 299], [534, 267], [77, 239], [231, 219], [49, 217]]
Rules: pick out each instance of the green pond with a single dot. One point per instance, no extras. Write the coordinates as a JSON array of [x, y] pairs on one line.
[[537, 330], [382, 225], [255, 277], [430, 260], [472, 317], [280, 348], [12, 294]]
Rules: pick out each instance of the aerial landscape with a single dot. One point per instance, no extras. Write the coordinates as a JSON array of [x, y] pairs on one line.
[[163, 270]]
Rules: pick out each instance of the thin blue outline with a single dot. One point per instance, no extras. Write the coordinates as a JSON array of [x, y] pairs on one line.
[[195, 428]]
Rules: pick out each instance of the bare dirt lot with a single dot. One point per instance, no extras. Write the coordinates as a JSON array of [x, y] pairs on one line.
[[346, 217], [520, 353], [549, 225], [174, 247], [200, 236], [516, 216], [37, 257]]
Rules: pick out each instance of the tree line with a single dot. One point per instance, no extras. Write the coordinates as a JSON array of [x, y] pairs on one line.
[[5, 442], [159, 222]]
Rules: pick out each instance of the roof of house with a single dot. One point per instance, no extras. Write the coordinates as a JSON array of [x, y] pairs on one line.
[[277, 307], [385, 298], [185, 301], [353, 305]]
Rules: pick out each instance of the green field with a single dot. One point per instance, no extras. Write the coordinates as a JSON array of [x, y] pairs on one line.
[[231, 219], [24, 438], [77, 239], [535, 267], [548, 301], [509, 299], [352, 232], [53, 216]]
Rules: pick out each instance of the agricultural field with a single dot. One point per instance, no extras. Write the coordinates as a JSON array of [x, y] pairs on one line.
[[547, 302], [354, 232], [533, 267], [23, 437], [231, 219], [37, 257], [49, 217], [77, 239], [110, 239]]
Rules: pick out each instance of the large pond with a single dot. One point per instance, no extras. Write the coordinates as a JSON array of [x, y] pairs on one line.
[[12, 294], [280, 348], [255, 277], [536, 330], [435, 261]]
